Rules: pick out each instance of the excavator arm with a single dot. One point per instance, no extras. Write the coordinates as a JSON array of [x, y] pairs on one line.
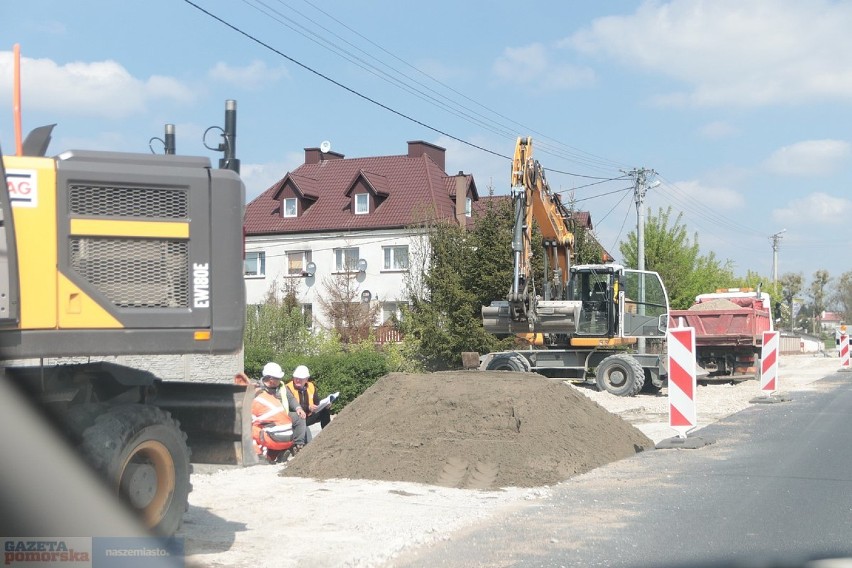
[[533, 200]]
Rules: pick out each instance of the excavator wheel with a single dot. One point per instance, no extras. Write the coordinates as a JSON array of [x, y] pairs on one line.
[[507, 362], [621, 375], [143, 455]]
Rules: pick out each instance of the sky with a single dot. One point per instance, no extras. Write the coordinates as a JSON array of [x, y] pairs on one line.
[[740, 109]]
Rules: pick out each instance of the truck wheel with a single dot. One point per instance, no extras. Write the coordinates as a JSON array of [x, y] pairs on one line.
[[507, 362], [621, 375], [142, 453]]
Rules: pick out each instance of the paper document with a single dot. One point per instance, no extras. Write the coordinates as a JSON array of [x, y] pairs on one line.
[[326, 401]]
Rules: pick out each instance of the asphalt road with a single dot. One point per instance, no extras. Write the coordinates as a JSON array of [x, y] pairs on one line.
[[775, 489]]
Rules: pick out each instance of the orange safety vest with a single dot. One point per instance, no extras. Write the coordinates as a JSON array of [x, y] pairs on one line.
[[310, 389], [267, 410]]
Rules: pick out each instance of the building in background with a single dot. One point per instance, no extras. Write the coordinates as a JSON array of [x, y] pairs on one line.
[[353, 222]]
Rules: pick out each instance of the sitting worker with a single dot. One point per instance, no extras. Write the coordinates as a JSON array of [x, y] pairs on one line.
[[305, 392], [275, 427]]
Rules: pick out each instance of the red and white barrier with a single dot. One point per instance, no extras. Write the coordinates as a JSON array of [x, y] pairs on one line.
[[682, 383], [844, 350], [769, 362]]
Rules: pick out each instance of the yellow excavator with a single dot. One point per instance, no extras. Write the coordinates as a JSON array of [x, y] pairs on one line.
[[105, 254], [585, 319]]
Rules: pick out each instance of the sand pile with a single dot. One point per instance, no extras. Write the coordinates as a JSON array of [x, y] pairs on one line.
[[715, 304], [470, 429]]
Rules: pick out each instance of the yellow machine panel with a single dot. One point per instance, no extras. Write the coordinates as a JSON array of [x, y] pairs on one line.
[[32, 188]]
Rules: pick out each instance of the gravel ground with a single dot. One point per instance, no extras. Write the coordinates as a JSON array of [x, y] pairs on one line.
[[254, 517]]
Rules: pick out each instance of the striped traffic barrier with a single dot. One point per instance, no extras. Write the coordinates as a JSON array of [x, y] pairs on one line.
[[844, 350], [680, 345], [682, 383], [769, 363], [769, 370]]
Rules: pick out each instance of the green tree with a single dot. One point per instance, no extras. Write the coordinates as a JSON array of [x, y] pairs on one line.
[[818, 293], [843, 295], [677, 259], [278, 325], [443, 317], [491, 238], [791, 286]]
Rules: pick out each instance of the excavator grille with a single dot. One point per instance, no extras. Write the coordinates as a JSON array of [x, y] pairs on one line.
[[123, 201], [134, 273]]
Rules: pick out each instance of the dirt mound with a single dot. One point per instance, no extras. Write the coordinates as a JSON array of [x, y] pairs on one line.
[[715, 304], [471, 429]]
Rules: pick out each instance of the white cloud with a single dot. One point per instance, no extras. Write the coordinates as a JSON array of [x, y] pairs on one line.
[[260, 177], [815, 209], [715, 197], [439, 69], [102, 88], [252, 76], [733, 52], [532, 64], [717, 130], [810, 157], [487, 169]]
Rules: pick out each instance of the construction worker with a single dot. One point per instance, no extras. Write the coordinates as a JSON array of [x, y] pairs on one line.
[[305, 392], [276, 426]]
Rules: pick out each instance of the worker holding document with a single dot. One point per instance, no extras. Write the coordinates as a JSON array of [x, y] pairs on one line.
[[305, 392]]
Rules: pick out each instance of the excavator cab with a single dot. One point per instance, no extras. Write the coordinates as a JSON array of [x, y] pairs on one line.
[[597, 316], [618, 302]]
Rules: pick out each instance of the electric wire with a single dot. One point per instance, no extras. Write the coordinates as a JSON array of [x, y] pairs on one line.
[[341, 85], [375, 71], [546, 149], [367, 66], [623, 223]]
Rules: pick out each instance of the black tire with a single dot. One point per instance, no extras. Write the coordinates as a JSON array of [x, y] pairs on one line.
[[507, 362], [621, 375], [142, 453], [649, 386]]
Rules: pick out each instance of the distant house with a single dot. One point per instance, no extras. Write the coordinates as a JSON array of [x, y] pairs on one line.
[[831, 321], [335, 216]]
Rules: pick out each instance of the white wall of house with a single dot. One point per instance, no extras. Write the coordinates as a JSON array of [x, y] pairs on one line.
[[390, 257]]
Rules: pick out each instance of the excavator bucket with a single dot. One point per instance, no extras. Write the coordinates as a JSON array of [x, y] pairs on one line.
[[216, 418]]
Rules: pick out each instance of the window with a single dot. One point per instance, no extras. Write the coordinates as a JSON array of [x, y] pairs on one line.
[[255, 264], [362, 203], [468, 207], [391, 313], [346, 259], [290, 207], [297, 261], [396, 258]]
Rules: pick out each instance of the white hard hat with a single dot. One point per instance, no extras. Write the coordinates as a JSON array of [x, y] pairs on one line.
[[273, 370], [301, 372]]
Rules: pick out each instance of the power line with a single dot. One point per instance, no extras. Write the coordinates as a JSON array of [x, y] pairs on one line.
[[603, 194], [546, 147], [341, 85], [498, 129]]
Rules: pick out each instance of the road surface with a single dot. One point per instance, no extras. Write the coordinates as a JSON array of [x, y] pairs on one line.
[[774, 489]]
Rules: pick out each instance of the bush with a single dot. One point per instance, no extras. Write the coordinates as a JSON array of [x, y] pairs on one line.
[[350, 373]]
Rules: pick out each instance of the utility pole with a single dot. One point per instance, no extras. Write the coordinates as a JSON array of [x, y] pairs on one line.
[[775, 239], [640, 188]]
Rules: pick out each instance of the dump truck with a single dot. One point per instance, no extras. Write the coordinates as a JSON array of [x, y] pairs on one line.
[[729, 325], [106, 254], [582, 320]]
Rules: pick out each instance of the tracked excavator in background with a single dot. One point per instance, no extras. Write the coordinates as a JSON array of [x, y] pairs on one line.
[[104, 254], [585, 320]]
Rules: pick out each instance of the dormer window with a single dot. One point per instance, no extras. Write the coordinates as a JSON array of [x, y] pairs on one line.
[[362, 203], [291, 208]]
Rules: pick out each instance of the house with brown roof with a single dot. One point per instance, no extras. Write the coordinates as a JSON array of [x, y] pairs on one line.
[[335, 216]]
